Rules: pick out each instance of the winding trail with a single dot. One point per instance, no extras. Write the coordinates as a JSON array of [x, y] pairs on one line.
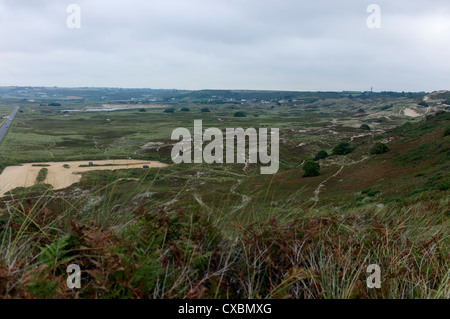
[[317, 191], [362, 135]]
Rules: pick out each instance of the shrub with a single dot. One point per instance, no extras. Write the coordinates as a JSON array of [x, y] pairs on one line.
[[311, 168], [423, 103], [169, 110], [205, 110], [379, 148], [365, 127], [444, 185], [387, 107], [185, 109], [447, 102], [321, 155], [360, 111], [240, 114], [447, 131], [343, 148], [54, 104], [142, 110]]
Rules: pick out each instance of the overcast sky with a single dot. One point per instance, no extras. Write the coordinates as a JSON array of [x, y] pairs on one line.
[[227, 44]]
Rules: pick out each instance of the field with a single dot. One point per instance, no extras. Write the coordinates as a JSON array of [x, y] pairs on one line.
[[225, 230]]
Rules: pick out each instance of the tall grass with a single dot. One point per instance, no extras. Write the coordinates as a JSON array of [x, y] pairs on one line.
[[139, 247]]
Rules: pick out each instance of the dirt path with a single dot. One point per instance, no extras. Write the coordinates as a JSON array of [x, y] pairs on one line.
[[60, 177], [356, 136], [317, 191]]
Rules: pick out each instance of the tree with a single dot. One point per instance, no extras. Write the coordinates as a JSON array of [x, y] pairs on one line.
[[54, 104], [311, 168], [379, 148], [343, 148], [205, 110], [142, 110], [321, 155], [365, 127], [240, 114], [185, 109], [423, 103], [169, 110]]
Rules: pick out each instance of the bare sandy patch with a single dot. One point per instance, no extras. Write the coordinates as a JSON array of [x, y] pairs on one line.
[[410, 112], [59, 176]]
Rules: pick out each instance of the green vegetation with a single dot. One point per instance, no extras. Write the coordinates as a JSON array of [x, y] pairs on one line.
[[311, 168], [205, 110], [185, 109], [447, 131], [423, 103], [169, 110], [365, 127], [379, 148], [42, 175], [240, 114], [321, 155], [343, 148]]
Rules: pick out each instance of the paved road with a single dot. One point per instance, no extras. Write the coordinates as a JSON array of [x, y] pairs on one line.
[[4, 128]]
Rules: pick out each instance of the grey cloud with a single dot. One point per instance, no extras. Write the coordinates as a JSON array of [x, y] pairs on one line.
[[248, 44]]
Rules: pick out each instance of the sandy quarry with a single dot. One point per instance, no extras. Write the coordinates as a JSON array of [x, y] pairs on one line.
[[60, 177]]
